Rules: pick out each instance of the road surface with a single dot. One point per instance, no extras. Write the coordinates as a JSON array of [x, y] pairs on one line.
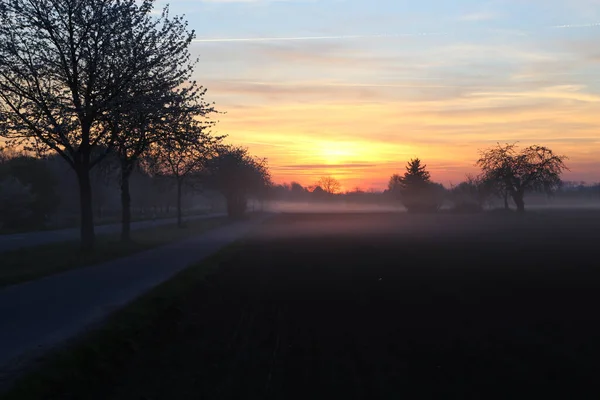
[[31, 239], [39, 314]]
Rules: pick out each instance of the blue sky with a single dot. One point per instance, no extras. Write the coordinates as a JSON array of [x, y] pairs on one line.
[[355, 88]]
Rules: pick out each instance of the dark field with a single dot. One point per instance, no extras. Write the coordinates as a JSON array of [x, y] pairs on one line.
[[369, 306]]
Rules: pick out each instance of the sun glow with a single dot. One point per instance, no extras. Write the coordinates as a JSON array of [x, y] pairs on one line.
[[338, 152]]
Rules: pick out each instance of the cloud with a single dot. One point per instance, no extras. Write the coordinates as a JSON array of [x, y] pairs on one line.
[[446, 133], [358, 106], [326, 166], [478, 16]]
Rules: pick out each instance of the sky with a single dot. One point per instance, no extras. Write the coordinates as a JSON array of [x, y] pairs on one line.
[[356, 88]]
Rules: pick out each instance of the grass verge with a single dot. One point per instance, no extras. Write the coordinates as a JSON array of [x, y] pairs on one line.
[[36, 262], [88, 367], [109, 220]]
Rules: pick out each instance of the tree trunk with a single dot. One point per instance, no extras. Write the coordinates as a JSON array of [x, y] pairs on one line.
[[518, 199], [230, 207], [86, 209], [236, 205], [506, 207], [125, 204], [179, 185]]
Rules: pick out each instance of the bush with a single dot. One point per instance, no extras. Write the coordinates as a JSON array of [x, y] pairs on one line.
[[415, 190], [426, 198], [15, 204]]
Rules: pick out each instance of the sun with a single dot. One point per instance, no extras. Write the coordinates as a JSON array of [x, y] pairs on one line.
[[337, 153]]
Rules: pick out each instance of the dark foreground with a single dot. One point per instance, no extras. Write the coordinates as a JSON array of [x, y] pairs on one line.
[[373, 306]]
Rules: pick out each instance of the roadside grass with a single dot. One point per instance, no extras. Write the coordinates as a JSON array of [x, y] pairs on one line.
[[90, 366], [73, 222], [36, 262]]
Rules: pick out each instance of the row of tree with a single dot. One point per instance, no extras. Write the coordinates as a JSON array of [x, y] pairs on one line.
[[94, 79], [41, 193]]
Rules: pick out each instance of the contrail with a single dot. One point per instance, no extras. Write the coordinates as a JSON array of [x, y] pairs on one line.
[[336, 37], [578, 26], [347, 37]]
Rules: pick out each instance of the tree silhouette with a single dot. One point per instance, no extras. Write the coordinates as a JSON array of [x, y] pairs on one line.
[[416, 174], [472, 194], [184, 153], [152, 121], [533, 168], [415, 189], [329, 184], [237, 174], [66, 65]]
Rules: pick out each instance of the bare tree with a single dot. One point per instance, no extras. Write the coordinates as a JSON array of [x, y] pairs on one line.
[[533, 168], [64, 67], [329, 184]]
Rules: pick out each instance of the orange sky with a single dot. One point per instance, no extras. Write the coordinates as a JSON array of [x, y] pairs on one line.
[[315, 101], [363, 143]]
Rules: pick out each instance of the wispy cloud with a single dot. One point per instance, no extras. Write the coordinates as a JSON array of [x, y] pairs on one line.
[[326, 166], [315, 97], [478, 16], [332, 37], [317, 84]]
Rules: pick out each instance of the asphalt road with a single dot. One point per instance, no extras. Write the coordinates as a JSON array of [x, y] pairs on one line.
[[39, 314], [31, 239]]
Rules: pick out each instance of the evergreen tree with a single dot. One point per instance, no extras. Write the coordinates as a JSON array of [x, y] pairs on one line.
[[415, 189], [415, 175]]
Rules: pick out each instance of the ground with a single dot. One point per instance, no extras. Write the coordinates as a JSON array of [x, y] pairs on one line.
[[375, 306]]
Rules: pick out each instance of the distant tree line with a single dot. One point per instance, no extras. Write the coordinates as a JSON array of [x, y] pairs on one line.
[[508, 176], [106, 82], [325, 189]]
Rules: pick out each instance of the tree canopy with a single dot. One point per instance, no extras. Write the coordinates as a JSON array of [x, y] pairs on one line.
[[534, 168], [329, 184], [237, 175], [69, 69], [182, 154]]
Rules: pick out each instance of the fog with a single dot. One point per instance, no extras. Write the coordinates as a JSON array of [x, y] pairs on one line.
[[342, 207], [301, 220], [329, 207], [580, 205]]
